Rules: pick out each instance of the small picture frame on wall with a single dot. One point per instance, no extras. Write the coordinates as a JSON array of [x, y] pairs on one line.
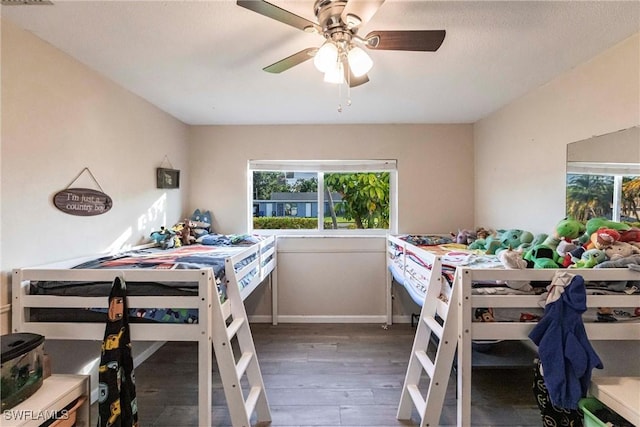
[[167, 178]]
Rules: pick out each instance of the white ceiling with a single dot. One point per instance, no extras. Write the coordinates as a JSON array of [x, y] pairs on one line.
[[201, 61]]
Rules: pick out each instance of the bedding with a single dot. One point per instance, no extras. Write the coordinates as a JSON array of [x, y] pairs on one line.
[[412, 269], [193, 257]]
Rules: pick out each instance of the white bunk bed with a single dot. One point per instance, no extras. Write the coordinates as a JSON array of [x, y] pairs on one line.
[[420, 270], [218, 322]]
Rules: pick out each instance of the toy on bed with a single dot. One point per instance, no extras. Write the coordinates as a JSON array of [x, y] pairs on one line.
[[602, 238], [511, 238], [464, 237], [569, 229], [201, 223], [187, 234], [166, 238], [590, 258], [594, 224], [512, 259]]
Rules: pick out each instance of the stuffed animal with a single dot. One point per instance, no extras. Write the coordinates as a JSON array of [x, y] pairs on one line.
[[512, 259], [484, 315], [590, 259], [515, 238], [201, 223], [481, 233], [165, 238], [563, 250], [569, 228], [618, 250], [631, 236], [595, 223], [186, 235], [603, 238], [464, 237], [511, 238], [542, 256]]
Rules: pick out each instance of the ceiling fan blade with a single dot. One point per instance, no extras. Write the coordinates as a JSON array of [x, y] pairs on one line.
[[357, 81], [291, 61], [350, 78], [363, 9], [274, 12], [418, 40]]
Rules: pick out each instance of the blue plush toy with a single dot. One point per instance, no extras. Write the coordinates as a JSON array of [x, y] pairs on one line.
[[201, 221], [165, 238]]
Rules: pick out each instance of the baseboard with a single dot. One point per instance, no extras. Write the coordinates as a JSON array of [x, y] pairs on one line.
[[266, 318], [260, 318], [401, 318], [331, 319]]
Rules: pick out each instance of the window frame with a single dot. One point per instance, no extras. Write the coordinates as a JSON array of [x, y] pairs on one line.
[[320, 167]]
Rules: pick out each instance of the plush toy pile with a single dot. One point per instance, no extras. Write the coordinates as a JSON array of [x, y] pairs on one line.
[[600, 243], [185, 232]]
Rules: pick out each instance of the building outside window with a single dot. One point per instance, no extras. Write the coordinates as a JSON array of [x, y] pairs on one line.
[[323, 196]]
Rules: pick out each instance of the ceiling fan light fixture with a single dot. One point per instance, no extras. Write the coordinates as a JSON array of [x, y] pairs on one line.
[[326, 57], [335, 74], [359, 62]]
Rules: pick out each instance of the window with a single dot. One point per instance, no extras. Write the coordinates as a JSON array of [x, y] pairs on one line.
[[608, 190], [323, 196]]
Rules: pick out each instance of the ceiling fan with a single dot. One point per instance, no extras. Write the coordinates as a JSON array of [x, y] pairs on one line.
[[342, 57]]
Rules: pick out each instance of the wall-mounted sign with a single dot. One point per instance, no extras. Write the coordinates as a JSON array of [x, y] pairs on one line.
[[82, 201]]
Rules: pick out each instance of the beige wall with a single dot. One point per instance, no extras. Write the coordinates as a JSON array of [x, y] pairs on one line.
[[342, 279], [59, 117], [430, 157], [521, 153], [521, 149]]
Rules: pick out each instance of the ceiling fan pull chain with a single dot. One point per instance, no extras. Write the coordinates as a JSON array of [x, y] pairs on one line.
[[339, 98]]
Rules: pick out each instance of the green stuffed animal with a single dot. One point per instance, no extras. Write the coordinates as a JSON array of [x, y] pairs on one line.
[[595, 223], [570, 228], [542, 256], [512, 238], [590, 259]]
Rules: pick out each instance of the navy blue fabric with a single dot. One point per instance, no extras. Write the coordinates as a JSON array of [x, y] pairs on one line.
[[566, 354]]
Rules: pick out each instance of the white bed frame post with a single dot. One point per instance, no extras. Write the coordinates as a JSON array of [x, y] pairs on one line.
[[206, 286], [389, 288], [438, 318], [391, 253], [273, 283], [462, 288]]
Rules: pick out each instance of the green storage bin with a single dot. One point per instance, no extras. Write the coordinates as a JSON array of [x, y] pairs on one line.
[[591, 405]]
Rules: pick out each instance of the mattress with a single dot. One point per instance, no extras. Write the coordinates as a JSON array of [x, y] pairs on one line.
[[185, 257]]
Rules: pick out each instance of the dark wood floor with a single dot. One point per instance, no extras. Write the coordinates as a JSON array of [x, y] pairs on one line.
[[326, 375]]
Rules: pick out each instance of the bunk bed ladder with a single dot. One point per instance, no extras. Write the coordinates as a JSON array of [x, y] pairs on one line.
[[437, 326], [241, 377]]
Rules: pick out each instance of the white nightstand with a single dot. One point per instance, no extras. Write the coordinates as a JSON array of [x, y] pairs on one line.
[[56, 392], [620, 394]]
